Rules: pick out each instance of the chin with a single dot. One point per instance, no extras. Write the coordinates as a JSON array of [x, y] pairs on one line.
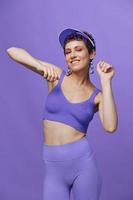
[[77, 69]]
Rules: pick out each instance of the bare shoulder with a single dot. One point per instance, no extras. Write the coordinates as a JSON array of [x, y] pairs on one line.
[[98, 100], [98, 97]]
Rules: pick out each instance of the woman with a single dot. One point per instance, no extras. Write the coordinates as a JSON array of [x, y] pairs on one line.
[[69, 160]]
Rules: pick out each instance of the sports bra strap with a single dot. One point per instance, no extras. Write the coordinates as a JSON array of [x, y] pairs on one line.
[[61, 77], [96, 91]]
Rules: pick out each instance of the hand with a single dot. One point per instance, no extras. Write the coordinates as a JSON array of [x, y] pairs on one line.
[[50, 73], [105, 70]]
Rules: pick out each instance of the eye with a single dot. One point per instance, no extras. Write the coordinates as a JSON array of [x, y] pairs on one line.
[[67, 52], [79, 49]]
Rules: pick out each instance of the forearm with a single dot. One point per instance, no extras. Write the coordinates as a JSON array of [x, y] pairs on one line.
[[110, 118], [47, 64], [23, 57]]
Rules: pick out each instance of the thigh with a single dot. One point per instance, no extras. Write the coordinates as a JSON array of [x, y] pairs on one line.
[[53, 191], [88, 182], [54, 185]]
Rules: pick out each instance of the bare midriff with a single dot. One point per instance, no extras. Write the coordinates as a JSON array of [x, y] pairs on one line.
[[57, 133]]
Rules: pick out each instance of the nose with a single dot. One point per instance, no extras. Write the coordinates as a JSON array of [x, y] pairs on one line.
[[73, 54]]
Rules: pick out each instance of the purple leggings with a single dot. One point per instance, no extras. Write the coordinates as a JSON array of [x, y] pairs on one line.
[[71, 167]]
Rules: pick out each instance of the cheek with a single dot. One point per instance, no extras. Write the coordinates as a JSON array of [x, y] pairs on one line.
[[66, 58], [85, 57]]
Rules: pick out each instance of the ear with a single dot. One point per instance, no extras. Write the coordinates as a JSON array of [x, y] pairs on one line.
[[92, 55]]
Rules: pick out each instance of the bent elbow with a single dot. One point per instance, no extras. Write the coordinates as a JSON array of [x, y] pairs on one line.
[[111, 129], [10, 49], [15, 53]]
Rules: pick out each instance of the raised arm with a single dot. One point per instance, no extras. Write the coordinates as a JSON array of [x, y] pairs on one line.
[[107, 106], [49, 71]]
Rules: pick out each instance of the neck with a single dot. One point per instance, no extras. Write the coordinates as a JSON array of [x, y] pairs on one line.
[[81, 77]]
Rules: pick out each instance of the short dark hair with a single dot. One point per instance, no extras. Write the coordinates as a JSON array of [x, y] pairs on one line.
[[88, 44]]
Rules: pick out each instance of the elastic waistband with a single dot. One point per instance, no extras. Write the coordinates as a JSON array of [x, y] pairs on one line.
[[67, 151]]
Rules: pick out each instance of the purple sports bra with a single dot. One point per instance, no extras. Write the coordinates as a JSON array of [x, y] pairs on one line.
[[76, 115]]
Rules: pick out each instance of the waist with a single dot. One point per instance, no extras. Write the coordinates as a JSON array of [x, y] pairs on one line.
[[60, 133], [67, 151], [60, 126]]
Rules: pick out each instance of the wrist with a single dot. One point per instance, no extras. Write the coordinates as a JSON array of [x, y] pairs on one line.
[[106, 82]]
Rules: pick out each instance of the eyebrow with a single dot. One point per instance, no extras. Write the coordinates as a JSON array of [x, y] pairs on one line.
[[74, 47]]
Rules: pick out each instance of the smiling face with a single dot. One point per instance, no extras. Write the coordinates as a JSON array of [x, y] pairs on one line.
[[77, 55]]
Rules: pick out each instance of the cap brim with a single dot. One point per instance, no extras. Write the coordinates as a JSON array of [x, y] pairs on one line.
[[65, 33]]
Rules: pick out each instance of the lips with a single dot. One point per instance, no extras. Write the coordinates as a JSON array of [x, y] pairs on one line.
[[75, 61]]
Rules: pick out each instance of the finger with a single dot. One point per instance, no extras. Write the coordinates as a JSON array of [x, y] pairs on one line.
[[57, 75], [45, 73], [101, 64], [49, 74], [105, 66], [52, 74], [109, 68]]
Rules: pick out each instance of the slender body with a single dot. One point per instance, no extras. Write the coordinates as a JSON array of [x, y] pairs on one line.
[[55, 132], [69, 160]]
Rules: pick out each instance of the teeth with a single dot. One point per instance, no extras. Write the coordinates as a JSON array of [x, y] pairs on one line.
[[75, 61]]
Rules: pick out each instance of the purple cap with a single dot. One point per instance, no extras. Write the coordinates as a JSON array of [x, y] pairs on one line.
[[69, 31]]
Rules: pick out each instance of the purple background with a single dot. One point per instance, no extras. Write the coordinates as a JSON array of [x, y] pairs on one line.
[[35, 25]]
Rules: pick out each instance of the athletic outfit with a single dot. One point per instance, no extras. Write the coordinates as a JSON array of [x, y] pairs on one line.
[[70, 167]]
